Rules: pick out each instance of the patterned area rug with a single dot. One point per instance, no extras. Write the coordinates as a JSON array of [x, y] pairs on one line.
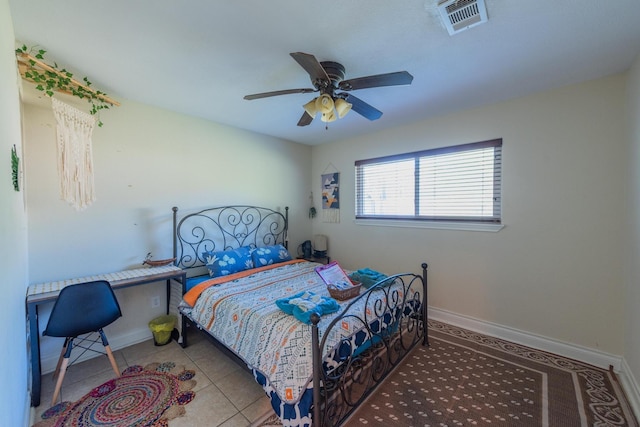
[[143, 397], [465, 378], [469, 379]]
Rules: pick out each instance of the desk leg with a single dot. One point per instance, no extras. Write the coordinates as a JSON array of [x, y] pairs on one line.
[[34, 338], [168, 294]]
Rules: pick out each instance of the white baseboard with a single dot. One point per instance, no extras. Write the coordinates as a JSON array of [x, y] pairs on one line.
[[48, 364], [572, 351]]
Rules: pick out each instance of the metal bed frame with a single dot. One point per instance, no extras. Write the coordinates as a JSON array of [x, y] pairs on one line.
[[344, 378]]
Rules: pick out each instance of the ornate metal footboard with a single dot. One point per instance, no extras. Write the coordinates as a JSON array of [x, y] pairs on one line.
[[389, 328]]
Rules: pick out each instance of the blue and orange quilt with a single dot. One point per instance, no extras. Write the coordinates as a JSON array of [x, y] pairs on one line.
[[240, 311]]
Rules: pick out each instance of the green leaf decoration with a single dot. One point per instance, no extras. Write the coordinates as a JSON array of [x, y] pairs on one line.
[[47, 81], [15, 163]]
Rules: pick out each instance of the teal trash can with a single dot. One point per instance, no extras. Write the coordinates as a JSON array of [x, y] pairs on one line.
[[161, 327]]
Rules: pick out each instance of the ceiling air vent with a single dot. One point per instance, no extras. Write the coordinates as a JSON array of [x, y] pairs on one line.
[[459, 15]]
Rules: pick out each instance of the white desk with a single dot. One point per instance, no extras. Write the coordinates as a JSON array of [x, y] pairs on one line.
[[46, 292]]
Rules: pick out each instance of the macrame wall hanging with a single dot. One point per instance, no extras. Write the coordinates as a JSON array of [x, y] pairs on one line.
[[75, 159], [330, 195]]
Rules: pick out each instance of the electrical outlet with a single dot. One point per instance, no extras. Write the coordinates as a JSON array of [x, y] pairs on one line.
[[155, 301]]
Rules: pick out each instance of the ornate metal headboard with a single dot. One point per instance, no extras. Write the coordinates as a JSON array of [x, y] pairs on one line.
[[223, 228]]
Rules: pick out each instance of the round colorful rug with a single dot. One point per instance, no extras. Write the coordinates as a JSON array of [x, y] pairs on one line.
[[143, 397]]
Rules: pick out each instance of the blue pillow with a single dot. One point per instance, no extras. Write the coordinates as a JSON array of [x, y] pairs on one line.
[[267, 255], [223, 263]]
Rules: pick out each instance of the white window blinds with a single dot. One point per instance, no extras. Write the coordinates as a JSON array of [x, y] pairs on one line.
[[459, 183]]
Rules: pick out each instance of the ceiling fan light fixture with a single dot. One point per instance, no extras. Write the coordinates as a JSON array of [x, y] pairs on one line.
[[324, 104], [342, 107], [328, 79], [310, 107], [328, 117]]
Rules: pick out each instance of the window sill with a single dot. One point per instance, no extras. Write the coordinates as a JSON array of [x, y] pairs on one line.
[[437, 225]]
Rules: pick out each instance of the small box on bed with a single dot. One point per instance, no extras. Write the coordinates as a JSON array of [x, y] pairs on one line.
[[340, 286], [345, 293]]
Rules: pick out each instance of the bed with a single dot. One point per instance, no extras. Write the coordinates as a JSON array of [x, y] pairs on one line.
[[316, 357]]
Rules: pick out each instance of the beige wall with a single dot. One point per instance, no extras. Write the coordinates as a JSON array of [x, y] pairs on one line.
[[632, 291], [13, 235], [146, 161], [555, 270]]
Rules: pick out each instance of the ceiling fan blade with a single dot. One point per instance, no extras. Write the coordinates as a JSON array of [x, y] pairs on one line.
[[388, 79], [278, 92], [305, 120], [311, 66], [362, 108]]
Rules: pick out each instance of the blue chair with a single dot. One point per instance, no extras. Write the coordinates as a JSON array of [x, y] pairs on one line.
[[79, 310]]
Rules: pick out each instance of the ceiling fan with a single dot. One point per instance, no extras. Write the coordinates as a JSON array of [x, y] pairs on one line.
[[334, 100]]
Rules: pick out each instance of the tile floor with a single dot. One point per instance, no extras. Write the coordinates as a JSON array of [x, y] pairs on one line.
[[226, 394]]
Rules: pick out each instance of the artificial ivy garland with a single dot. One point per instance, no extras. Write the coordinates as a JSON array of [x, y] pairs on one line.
[[51, 79], [15, 163]]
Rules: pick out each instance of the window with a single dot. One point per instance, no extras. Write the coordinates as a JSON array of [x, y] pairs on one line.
[[460, 183]]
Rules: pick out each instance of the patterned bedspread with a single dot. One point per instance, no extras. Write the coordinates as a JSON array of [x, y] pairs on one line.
[[242, 314]]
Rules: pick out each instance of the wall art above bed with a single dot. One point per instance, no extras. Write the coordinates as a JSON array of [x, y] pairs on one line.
[[331, 197]]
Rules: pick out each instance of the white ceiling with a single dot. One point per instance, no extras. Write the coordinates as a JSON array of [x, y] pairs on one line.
[[200, 57]]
